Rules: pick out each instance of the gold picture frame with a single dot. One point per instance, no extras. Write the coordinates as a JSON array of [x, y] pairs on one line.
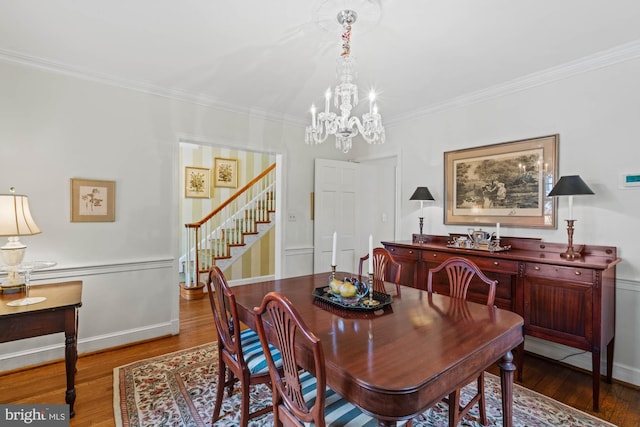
[[506, 183], [93, 200], [225, 173], [197, 182]]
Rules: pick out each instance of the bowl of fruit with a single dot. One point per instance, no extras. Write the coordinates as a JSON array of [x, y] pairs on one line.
[[348, 291]]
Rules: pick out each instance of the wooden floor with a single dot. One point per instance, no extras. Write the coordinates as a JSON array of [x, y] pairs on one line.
[[94, 382]]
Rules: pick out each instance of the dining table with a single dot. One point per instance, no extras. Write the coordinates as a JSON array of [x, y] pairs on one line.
[[396, 361]]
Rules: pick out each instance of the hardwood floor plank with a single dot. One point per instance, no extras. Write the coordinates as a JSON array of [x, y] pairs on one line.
[[620, 404]]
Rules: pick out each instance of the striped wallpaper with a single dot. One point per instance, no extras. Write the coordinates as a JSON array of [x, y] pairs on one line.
[[260, 259]]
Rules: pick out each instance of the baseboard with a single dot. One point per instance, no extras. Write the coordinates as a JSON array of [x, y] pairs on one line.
[[36, 355], [580, 359]]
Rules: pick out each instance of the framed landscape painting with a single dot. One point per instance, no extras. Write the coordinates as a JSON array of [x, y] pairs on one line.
[[197, 182], [93, 200], [506, 183], [226, 172]]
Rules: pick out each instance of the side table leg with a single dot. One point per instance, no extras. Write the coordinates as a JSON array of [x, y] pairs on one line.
[[507, 368], [71, 356]]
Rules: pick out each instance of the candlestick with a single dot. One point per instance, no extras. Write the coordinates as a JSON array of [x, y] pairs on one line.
[[333, 251], [497, 230]]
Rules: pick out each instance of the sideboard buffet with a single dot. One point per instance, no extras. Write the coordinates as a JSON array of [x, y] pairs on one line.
[[570, 302]]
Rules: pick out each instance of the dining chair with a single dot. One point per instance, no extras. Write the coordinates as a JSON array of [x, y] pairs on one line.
[[300, 398], [383, 263], [460, 272], [240, 354]]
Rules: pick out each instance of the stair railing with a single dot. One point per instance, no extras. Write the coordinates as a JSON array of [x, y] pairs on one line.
[[226, 225]]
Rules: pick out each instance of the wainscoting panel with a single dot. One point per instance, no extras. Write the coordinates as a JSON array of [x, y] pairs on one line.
[[121, 303]]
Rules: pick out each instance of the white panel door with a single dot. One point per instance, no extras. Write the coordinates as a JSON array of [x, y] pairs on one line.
[[335, 187]]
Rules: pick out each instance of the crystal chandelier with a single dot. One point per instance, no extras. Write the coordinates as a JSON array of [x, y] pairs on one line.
[[345, 95]]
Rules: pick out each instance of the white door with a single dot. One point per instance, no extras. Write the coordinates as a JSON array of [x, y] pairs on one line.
[[336, 204]]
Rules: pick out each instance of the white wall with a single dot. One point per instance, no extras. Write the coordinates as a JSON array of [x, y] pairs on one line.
[[54, 127], [596, 115]]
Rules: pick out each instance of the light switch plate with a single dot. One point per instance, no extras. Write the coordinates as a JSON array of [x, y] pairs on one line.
[[630, 180]]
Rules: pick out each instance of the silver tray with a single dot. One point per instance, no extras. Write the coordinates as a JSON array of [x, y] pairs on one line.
[[323, 294]]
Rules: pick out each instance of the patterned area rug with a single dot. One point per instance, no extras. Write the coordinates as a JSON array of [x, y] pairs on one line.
[[178, 389]]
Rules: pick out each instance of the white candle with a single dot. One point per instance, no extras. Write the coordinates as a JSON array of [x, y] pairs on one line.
[[497, 230], [570, 207], [313, 116], [370, 254], [333, 251]]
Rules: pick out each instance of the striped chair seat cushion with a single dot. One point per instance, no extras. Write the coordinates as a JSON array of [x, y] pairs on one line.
[[338, 411], [253, 354]]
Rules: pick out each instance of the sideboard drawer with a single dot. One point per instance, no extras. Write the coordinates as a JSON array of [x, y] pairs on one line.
[[576, 274], [484, 263], [404, 252]]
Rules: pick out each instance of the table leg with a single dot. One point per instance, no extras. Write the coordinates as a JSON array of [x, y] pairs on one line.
[[71, 356], [507, 368]]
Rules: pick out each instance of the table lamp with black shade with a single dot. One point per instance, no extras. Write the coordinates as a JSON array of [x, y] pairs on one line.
[[422, 194], [570, 185]]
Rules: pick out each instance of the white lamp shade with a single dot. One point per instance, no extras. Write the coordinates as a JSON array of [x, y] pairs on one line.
[[15, 216]]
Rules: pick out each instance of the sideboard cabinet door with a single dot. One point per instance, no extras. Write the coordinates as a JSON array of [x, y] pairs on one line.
[[558, 304]]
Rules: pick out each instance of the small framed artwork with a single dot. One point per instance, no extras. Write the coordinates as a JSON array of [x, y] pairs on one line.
[[506, 183], [226, 173], [93, 200], [197, 182]]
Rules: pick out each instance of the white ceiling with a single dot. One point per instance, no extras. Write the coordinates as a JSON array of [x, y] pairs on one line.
[[277, 56]]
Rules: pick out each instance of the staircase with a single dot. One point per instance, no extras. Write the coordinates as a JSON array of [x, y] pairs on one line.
[[228, 231]]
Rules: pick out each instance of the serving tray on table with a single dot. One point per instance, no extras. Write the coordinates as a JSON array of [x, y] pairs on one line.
[[324, 294]]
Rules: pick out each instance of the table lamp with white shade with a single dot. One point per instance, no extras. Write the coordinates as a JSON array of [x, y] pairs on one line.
[[570, 185], [15, 221]]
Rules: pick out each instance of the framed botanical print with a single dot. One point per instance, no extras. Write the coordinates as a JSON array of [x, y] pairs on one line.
[[506, 183], [197, 182], [93, 200], [225, 172]]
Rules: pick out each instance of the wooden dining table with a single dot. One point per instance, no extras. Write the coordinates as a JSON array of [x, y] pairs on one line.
[[398, 361]]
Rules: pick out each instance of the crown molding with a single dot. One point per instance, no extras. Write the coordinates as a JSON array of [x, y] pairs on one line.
[[606, 58], [138, 86], [621, 53]]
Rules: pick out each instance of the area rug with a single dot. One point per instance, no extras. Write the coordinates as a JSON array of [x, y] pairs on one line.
[[178, 389]]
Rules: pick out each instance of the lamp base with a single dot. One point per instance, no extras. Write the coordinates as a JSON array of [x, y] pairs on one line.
[[570, 253]]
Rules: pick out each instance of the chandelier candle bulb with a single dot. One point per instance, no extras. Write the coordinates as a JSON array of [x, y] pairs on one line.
[[313, 116], [333, 251], [327, 97], [372, 97]]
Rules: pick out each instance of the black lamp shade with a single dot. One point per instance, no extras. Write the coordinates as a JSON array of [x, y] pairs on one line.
[[421, 193], [570, 185]]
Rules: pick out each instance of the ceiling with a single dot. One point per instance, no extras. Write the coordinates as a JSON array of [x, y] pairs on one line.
[[277, 57]]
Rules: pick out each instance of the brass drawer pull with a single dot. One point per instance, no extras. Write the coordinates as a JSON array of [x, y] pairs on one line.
[[578, 273], [410, 252], [496, 263], [536, 268], [435, 255]]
